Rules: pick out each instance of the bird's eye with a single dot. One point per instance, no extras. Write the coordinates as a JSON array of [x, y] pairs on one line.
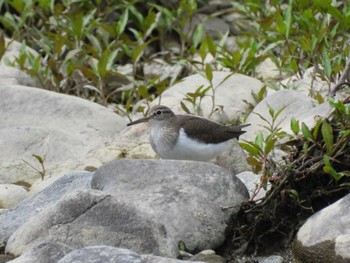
[[158, 112]]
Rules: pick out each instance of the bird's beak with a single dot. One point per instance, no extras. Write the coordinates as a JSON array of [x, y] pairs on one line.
[[145, 119]]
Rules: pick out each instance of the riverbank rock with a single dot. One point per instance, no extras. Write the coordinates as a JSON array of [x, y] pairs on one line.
[[191, 199], [61, 129], [325, 237]]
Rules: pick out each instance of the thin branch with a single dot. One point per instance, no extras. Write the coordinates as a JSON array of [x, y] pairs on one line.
[[344, 79]]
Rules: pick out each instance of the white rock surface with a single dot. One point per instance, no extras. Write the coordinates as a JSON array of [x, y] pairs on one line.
[[60, 128], [14, 76], [230, 92], [11, 195]]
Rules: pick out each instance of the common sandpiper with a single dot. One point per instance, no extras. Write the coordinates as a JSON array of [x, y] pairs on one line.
[[187, 137]]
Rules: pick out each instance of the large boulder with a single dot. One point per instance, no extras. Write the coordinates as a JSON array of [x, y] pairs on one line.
[[89, 217], [13, 218], [61, 129], [325, 237], [193, 200]]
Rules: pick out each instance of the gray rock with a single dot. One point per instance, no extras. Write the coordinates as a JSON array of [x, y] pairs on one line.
[[62, 129], [208, 256], [31, 206], [89, 218], [188, 197], [44, 253], [101, 254], [105, 254], [325, 237], [156, 259], [234, 159]]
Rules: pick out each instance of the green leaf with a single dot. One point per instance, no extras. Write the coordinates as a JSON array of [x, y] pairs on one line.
[[288, 17], [280, 25], [261, 93], [198, 35], [327, 134], [271, 110], [150, 22], [293, 194], [316, 129], [328, 168], [208, 72], [251, 148], [111, 58], [184, 107], [278, 112], [2, 44], [326, 63], [259, 139], [294, 125], [211, 45], [306, 132], [138, 52], [38, 157], [77, 25], [123, 20], [182, 246], [269, 145]]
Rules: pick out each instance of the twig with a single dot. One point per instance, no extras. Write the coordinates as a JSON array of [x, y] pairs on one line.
[[344, 79]]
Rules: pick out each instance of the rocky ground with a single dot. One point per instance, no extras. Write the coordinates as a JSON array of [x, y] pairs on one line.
[[103, 194]]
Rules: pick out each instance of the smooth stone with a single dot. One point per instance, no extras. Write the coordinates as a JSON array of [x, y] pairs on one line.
[[208, 256], [106, 254], [11, 195], [267, 70], [14, 76], [325, 237], [44, 253], [189, 198], [60, 128], [13, 218]]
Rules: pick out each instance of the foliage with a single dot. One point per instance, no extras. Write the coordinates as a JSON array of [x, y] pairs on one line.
[[80, 43], [295, 35], [315, 174]]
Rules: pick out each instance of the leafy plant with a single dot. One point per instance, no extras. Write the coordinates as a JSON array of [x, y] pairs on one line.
[[260, 149]]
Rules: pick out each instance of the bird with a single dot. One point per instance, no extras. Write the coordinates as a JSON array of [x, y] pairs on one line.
[[187, 137]]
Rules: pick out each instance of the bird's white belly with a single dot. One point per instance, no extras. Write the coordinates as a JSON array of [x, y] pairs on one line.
[[188, 149]]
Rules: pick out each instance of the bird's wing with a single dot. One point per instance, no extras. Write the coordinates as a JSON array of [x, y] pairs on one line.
[[208, 131]]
